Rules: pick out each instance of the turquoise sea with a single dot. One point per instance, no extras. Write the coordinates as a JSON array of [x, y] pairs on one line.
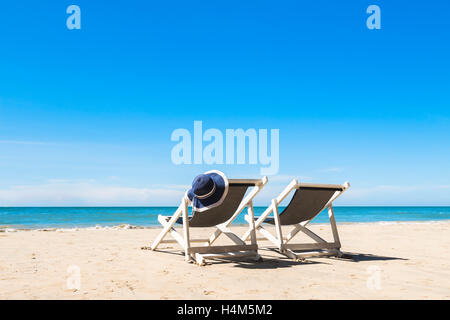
[[70, 217]]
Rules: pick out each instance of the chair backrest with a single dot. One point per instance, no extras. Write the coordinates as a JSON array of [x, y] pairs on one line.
[[222, 213], [307, 202]]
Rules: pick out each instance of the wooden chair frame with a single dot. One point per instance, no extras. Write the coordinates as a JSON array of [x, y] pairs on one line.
[[207, 250], [320, 247]]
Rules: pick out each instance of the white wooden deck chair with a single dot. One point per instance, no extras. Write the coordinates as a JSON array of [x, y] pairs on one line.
[[220, 217], [307, 202]]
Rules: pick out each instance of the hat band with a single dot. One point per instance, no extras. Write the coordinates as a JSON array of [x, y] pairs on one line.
[[208, 194]]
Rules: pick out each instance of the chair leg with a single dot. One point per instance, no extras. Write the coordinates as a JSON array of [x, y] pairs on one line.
[[333, 225], [339, 253], [278, 225], [187, 243], [199, 259], [266, 234], [291, 254], [166, 228], [251, 221], [178, 237], [258, 223]]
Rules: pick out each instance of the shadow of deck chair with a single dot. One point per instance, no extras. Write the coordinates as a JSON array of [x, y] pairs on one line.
[[307, 202], [220, 217]]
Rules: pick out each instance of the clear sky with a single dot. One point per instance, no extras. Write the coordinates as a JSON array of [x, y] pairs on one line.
[[86, 115]]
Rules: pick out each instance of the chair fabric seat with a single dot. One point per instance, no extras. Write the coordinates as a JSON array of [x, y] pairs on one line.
[[306, 204], [215, 216]]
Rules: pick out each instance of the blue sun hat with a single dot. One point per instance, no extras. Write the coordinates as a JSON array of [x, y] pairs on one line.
[[208, 190]]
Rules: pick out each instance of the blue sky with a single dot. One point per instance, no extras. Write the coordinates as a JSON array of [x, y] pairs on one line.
[[86, 115]]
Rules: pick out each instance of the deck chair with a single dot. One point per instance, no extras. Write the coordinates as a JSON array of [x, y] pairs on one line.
[[219, 217], [307, 202]]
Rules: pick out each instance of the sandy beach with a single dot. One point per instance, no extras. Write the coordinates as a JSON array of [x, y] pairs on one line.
[[390, 261]]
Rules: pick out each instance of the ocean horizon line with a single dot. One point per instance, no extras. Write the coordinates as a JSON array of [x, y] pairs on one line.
[[125, 226], [64, 217]]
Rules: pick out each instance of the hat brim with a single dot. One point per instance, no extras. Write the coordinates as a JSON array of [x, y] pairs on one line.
[[216, 198]]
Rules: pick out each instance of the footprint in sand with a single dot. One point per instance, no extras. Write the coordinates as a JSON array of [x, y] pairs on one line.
[[207, 293]]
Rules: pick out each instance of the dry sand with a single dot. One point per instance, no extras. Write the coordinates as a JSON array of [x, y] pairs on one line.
[[391, 261]]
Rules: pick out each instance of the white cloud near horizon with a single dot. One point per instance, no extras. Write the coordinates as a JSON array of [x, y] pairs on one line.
[[20, 142], [285, 178], [413, 195], [61, 192], [332, 170]]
